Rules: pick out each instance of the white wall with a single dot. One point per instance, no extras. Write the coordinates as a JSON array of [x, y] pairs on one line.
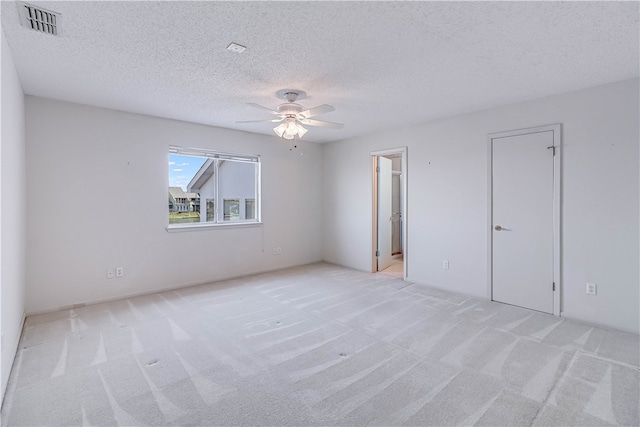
[[97, 198], [12, 212], [447, 198]]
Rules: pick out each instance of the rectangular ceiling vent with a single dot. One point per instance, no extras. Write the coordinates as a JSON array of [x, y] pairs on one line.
[[39, 19]]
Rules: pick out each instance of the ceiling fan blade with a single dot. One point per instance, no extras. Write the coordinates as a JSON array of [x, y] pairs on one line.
[[321, 123], [316, 111], [262, 107], [261, 121]]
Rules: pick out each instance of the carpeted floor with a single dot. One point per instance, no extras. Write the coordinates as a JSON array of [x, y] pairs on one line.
[[319, 345]]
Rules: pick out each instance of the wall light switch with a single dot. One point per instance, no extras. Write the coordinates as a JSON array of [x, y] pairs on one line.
[[110, 273]]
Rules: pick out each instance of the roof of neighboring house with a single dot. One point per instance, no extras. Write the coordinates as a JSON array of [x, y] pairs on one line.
[[202, 176], [177, 192]]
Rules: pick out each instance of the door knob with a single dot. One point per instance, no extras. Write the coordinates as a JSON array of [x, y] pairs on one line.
[[498, 228]]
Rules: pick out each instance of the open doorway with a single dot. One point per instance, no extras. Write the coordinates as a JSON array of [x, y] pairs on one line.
[[389, 255]]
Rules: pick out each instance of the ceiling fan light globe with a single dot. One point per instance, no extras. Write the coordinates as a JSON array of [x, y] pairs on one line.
[[292, 130], [301, 131], [287, 136], [280, 129]]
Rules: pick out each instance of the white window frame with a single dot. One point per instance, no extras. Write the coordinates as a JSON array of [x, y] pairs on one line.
[[220, 155]]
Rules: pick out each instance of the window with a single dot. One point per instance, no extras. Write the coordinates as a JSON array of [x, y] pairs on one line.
[[250, 208], [199, 177], [231, 209]]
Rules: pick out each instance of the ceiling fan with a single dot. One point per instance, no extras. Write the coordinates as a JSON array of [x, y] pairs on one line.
[[292, 116]]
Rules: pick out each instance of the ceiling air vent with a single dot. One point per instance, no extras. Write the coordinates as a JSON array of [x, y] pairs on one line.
[[38, 18]]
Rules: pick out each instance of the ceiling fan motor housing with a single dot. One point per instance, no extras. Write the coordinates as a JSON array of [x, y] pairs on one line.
[[289, 109]]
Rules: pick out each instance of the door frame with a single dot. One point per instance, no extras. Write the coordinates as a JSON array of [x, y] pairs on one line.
[[557, 178], [374, 207]]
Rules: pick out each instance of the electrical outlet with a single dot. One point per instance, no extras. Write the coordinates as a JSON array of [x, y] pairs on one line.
[[275, 251], [110, 273], [592, 289], [279, 250], [120, 271], [445, 264]]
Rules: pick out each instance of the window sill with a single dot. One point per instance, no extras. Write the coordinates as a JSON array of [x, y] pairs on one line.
[[176, 228]]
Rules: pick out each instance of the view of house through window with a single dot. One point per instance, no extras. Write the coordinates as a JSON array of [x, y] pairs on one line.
[[211, 209], [231, 209], [198, 177], [250, 208]]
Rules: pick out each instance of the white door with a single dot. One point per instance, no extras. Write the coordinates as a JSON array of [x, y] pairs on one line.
[[385, 212], [523, 220]]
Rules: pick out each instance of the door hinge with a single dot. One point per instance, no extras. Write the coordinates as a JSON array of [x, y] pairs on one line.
[[378, 169], [377, 253], [554, 286], [553, 147]]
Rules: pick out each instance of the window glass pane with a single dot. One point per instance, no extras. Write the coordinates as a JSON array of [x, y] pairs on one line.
[[250, 208], [184, 206], [231, 209], [237, 181]]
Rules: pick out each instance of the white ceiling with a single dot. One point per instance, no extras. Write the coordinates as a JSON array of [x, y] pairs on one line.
[[380, 64]]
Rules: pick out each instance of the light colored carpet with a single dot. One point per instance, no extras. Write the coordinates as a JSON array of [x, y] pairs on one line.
[[319, 345]]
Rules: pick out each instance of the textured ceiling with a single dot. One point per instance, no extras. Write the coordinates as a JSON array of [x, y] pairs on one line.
[[380, 64]]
